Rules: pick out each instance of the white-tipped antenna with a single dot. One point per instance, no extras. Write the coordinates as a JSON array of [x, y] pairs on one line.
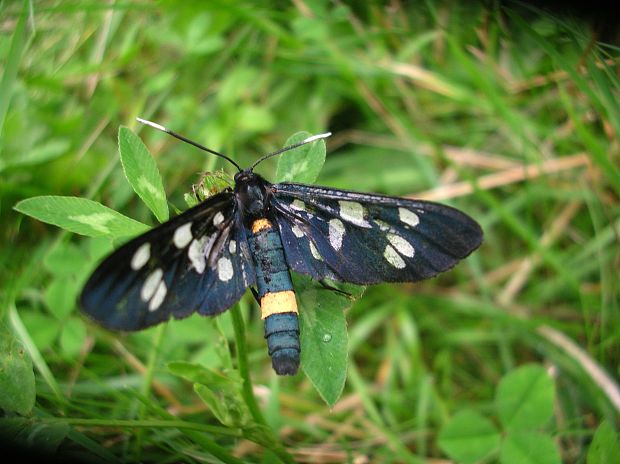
[[316, 137], [310, 139], [152, 124], [186, 140]]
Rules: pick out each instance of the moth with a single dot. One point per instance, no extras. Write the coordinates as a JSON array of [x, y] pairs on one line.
[[253, 235]]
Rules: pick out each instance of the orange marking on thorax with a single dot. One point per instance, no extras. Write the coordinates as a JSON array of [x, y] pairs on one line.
[[261, 224]]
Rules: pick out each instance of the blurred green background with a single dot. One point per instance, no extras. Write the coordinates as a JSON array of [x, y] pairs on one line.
[[506, 112]]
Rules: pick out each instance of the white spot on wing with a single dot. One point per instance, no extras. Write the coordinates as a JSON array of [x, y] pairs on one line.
[[150, 284], [297, 231], [197, 253], [336, 233], [384, 226], [402, 246], [218, 218], [408, 217], [183, 235], [315, 252], [159, 296], [393, 257], [232, 247], [141, 256], [298, 205], [224, 269], [352, 211]]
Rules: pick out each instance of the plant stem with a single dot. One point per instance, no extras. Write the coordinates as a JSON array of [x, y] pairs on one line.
[[158, 338], [242, 360], [248, 392]]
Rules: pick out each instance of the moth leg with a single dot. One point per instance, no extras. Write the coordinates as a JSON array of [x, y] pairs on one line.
[[255, 295], [196, 196], [327, 286], [196, 188]]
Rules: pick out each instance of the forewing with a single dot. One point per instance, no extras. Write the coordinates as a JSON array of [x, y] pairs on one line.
[[198, 261], [365, 239]]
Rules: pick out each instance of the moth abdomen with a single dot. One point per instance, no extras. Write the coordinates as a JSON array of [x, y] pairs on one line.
[[282, 335], [277, 298]]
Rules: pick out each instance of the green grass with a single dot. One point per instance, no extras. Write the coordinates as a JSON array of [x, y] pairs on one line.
[[509, 114]]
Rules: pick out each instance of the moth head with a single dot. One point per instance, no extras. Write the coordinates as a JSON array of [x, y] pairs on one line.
[[251, 193]]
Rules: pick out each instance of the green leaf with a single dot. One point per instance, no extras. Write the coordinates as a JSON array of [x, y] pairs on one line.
[[301, 164], [61, 295], [72, 337], [142, 173], [42, 328], [201, 374], [525, 398], [323, 327], [80, 216], [222, 393], [524, 447], [17, 387], [604, 447], [469, 437], [66, 259]]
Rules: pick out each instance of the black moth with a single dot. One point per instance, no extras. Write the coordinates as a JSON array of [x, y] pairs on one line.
[[253, 235]]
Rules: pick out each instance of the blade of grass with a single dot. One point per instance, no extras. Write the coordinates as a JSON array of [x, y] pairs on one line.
[[16, 51], [37, 358], [158, 338], [394, 442]]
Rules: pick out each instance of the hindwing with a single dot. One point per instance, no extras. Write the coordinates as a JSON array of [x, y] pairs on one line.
[[198, 261], [365, 238]]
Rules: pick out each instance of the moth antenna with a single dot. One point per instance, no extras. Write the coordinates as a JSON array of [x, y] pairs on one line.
[[310, 139], [186, 140]]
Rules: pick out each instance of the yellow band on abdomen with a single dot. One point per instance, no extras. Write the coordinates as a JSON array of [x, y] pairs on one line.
[[260, 224], [278, 302]]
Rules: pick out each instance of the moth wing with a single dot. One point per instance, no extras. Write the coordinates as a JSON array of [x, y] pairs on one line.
[[364, 238], [197, 262]]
